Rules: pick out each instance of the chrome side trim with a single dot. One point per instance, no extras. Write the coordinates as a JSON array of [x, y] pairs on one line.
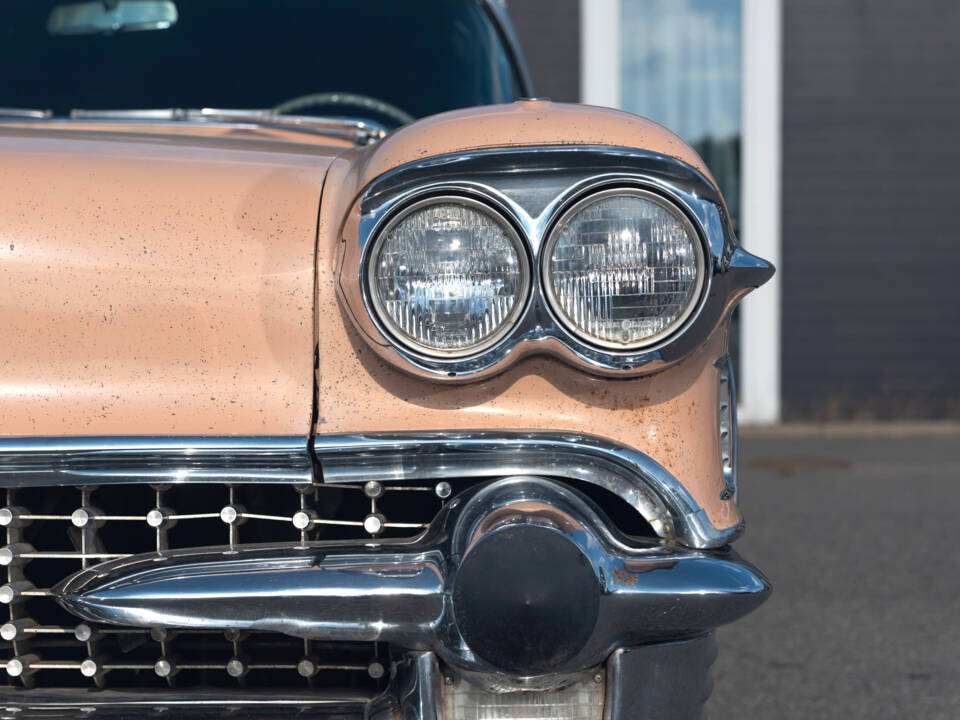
[[24, 113], [158, 459], [636, 477], [445, 590], [727, 416], [82, 703], [362, 132], [532, 187]]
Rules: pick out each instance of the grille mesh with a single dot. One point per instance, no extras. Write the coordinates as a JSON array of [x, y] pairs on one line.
[[52, 532]]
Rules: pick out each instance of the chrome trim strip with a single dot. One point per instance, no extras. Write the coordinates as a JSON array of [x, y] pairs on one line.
[[362, 132], [160, 459], [727, 412], [634, 476], [49, 700], [24, 113]]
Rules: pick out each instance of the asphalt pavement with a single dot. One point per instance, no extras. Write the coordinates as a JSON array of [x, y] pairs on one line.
[[858, 533]]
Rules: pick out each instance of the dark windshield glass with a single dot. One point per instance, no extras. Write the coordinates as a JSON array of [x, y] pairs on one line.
[[418, 56]]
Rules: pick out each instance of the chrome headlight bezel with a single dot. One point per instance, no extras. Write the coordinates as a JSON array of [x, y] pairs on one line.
[[532, 187], [382, 316], [553, 236]]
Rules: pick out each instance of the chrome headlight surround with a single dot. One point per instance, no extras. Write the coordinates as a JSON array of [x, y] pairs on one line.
[[381, 314], [548, 275], [531, 188]]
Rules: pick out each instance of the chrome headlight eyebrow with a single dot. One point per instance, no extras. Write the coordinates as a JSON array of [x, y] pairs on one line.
[[533, 191]]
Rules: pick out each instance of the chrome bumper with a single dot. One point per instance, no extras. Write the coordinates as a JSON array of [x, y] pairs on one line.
[[519, 585]]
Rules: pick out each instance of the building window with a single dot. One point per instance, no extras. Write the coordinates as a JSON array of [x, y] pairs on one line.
[[680, 66]]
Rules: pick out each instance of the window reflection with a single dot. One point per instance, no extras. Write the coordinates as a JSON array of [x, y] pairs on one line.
[[681, 67]]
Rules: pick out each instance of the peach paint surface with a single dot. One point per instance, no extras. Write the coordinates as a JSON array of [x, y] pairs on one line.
[[161, 284], [671, 416], [151, 285]]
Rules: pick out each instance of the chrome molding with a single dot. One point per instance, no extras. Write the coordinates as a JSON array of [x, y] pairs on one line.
[[156, 459], [80, 703], [24, 113], [533, 187], [448, 590], [362, 132], [384, 457], [727, 422], [634, 476]]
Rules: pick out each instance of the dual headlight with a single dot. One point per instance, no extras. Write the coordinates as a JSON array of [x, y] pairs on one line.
[[621, 269]]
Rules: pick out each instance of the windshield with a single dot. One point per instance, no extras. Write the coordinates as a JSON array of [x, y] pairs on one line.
[[389, 60]]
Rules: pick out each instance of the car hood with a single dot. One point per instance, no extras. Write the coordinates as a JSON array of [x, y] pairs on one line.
[[157, 283]]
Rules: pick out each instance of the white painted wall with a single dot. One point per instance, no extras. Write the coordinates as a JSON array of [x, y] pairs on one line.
[[600, 52], [759, 380], [760, 163]]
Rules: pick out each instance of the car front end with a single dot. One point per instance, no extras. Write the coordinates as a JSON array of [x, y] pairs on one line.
[[432, 419]]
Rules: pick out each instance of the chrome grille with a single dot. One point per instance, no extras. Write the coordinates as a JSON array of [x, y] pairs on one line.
[[51, 532]]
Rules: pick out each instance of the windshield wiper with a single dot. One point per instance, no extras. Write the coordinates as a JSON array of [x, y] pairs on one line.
[[362, 132], [24, 113]]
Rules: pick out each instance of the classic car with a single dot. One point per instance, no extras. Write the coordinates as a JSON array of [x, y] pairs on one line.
[[342, 376]]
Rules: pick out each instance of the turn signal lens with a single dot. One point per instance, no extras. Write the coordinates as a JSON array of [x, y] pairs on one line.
[[448, 277], [624, 268], [582, 701]]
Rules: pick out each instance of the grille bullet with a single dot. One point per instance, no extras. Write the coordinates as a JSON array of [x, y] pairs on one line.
[[236, 668], [13, 591], [307, 667], [21, 666], [11, 517], [164, 668], [373, 523], [160, 518], [86, 517], [304, 519], [15, 629], [13, 554], [232, 514]]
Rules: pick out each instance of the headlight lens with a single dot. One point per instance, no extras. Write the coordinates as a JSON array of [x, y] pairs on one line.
[[624, 268], [448, 276]]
